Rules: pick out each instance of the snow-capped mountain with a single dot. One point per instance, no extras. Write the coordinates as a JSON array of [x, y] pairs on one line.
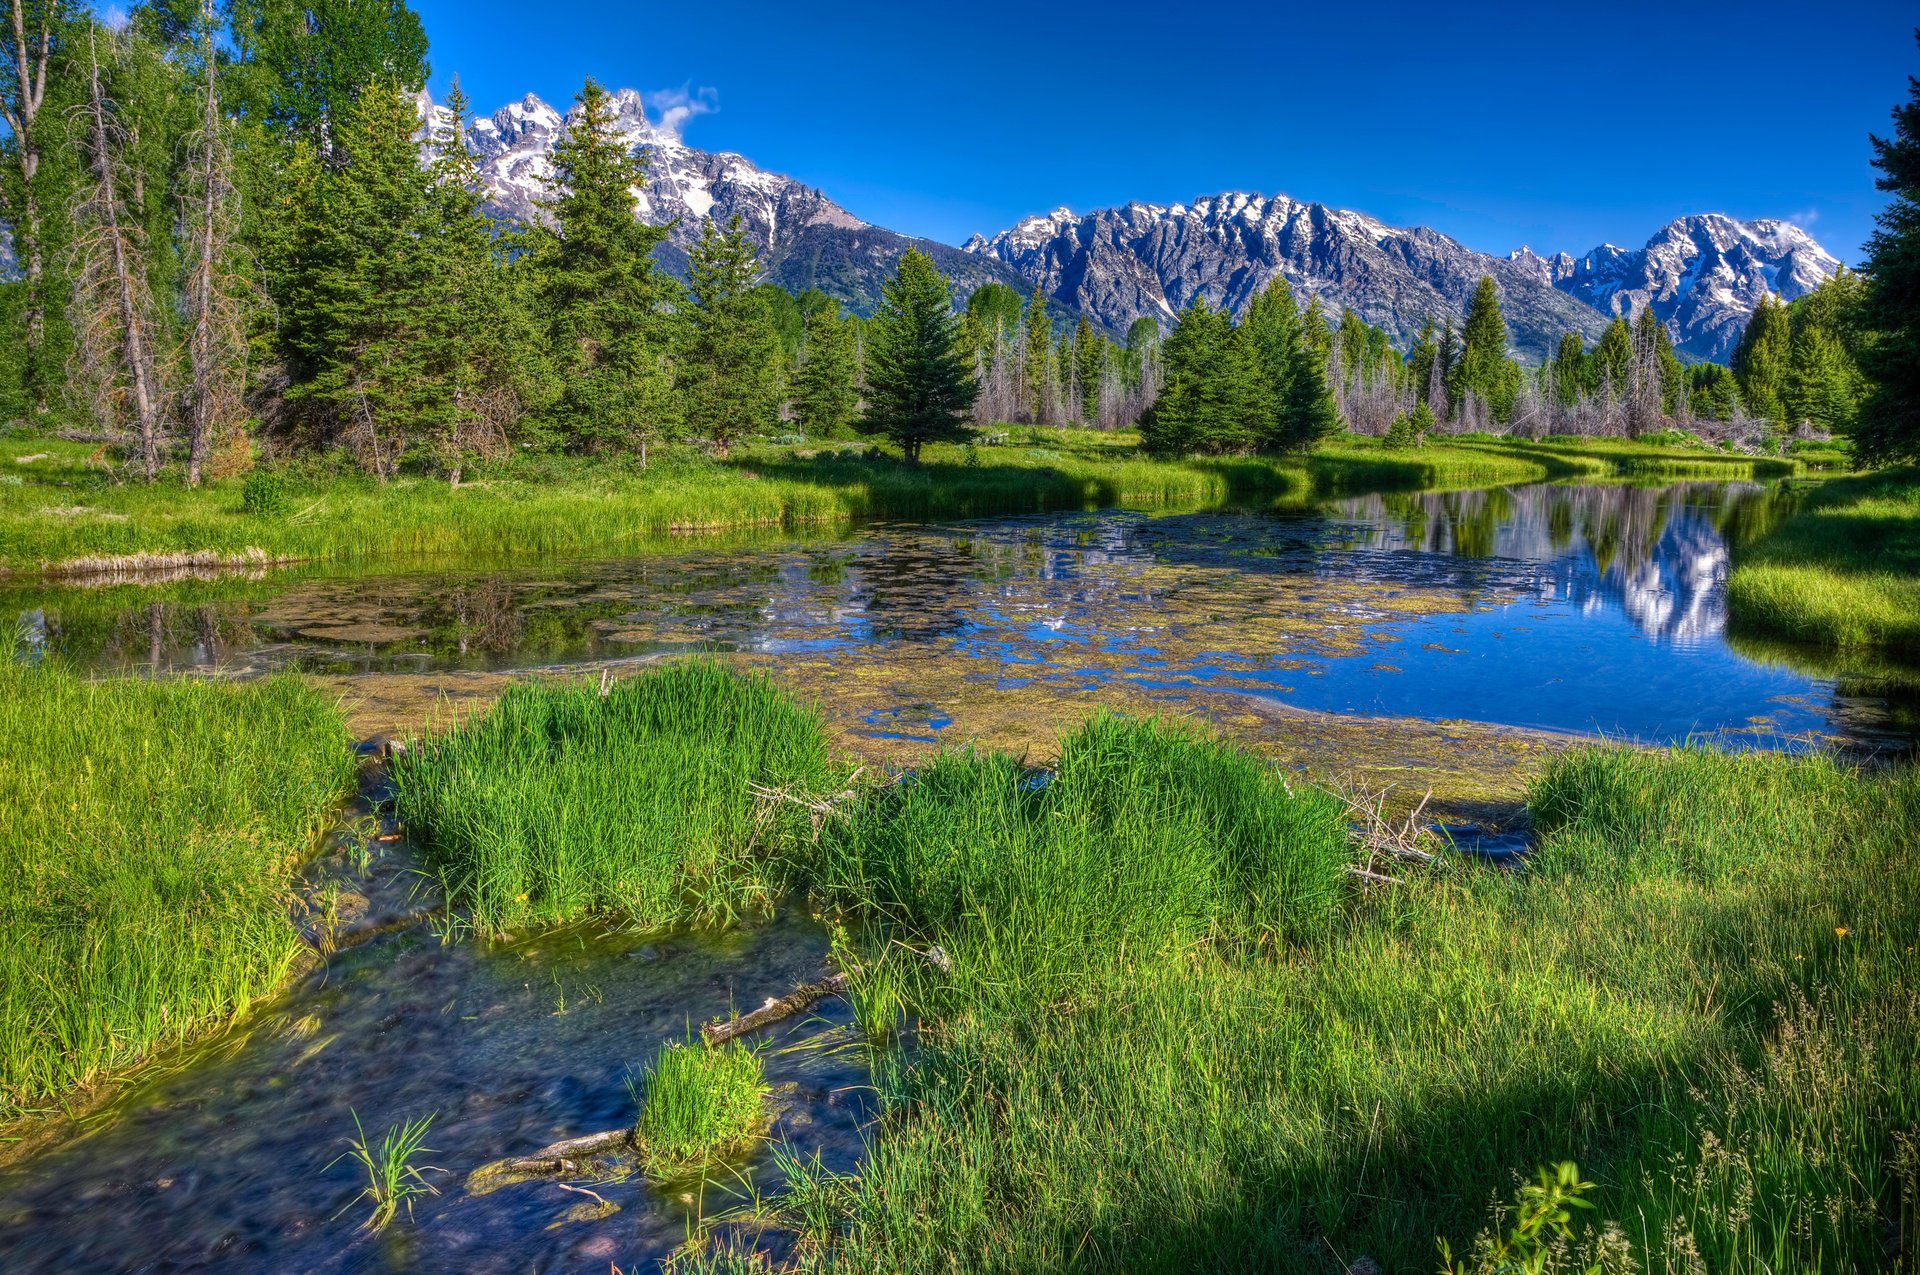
[[1703, 275], [1146, 259], [806, 239]]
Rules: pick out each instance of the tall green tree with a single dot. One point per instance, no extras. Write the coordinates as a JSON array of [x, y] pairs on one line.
[[1421, 357], [1761, 359], [1039, 373], [826, 387], [32, 189], [1272, 327], [1611, 362], [612, 323], [1089, 362], [1483, 348], [305, 62], [731, 371], [920, 383], [1311, 414], [1889, 428], [1216, 400], [1572, 372], [1712, 391]]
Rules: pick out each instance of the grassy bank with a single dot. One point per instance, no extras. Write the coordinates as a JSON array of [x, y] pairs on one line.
[[1842, 571], [67, 509], [1166, 1031], [148, 837]]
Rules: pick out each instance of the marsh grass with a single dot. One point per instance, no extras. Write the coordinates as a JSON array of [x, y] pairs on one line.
[[394, 1181], [1701, 990], [699, 1106], [1843, 571], [561, 801], [72, 507], [148, 837]]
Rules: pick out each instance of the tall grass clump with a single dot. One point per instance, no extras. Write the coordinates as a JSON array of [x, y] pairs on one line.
[[699, 1106], [1700, 990], [1842, 571], [148, 838], [562, 801], [393, 1179]]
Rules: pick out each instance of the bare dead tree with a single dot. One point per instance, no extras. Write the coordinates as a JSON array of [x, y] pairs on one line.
[[23, 91], [112, 309], [218, 295]]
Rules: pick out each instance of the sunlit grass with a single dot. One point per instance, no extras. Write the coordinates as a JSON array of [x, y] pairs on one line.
[[698, 1106], [148, 837], [394, 1181]]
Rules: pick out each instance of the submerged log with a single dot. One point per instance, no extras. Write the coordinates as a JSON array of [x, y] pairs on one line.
[[773, 1011], [560, 1157]]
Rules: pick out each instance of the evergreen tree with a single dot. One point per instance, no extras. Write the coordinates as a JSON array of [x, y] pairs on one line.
[[1761, 359], [1312, 414], [1572, 372], [1351, 338], [1822, 385], [1216, 399], [920, 384], [1653, 335], [1611, 362], [1039, 376], [1272, 327], [1421, 358], [826, 388], [365, 295], [731, 370], [610, 306], [1712, 392], [1089, 361], [1481, 368], [32, 188], [307, 61], [1889, 428]]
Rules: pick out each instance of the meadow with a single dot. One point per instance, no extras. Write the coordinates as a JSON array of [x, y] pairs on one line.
[[1162, 1026], [1842, 571], [64, 509], [149, 834]]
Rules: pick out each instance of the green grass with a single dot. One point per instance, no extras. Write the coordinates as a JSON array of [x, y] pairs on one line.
[[393, 1179], [148, 838], [1843, 571], [699, 1106], [559, 802], [71, 511]]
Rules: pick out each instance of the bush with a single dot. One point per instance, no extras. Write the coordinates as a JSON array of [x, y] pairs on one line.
[[264, 494]]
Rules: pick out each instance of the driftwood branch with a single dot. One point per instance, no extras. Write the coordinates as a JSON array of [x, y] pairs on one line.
[[773, 1011], [560, 1157]]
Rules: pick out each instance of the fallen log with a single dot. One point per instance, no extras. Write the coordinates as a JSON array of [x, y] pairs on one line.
[[560, 1157], [773, 1011]]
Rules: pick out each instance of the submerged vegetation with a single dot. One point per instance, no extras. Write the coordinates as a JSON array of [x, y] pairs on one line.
[[1843, 571], [148, 837]]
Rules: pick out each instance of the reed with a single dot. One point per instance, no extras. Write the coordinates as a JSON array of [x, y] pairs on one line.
[[699, 1106]]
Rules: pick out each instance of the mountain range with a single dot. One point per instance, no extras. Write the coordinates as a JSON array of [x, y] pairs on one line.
[[1703, 275]]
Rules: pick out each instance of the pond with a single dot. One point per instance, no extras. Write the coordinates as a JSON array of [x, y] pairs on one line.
[[1546, 612]]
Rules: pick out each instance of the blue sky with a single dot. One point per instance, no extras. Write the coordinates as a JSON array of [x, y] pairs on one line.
[[1559, 126]]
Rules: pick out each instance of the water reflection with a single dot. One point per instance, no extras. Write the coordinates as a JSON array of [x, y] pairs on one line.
[[1566, 607]]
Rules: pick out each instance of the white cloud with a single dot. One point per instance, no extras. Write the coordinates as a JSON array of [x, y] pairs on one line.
[[676, 106], [1804, 220]]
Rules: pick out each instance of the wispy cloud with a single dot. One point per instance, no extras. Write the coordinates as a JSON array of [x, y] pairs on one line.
[[1804, 220], [676, 106]]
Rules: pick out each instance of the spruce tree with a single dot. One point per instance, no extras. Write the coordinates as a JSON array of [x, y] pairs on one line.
[[1039, 376], [731, 370], [920, 383], [1889, 425], [1653, 334], [1821, 386], [1761, 359], [1272, 327], [1421, 358], [612, 327], [1572, 372], [1216, 400], [1312, 414], [1483, 348], [826, 387], [1611, 362], [1712, 392], [1089, 361], [1351, 338]]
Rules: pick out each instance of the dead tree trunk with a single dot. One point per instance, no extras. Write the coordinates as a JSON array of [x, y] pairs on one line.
[[216, 338], [113, 306], [20, 109]]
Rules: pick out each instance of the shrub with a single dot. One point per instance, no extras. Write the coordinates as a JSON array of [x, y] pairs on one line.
[[264, 494]]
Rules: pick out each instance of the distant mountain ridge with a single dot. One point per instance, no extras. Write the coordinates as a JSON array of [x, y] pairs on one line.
[[1704, 275], [806, 239]]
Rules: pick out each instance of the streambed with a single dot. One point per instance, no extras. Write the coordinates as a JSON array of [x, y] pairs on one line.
[[1405, 633]]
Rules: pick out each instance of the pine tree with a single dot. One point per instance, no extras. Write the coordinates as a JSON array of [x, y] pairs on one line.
[[1089, 361], [1672, 374], [1421, 358], [1821, 383], [366, 287], [612, 326], [1351, 339], [1611, 362], [1481, 368], [1761, 359], [1312, 414], [1216, 400], [1572, 372], [731, 369], [1039, 379], [920, 384], [1889, 427], [1272, 327], [826, 389]]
